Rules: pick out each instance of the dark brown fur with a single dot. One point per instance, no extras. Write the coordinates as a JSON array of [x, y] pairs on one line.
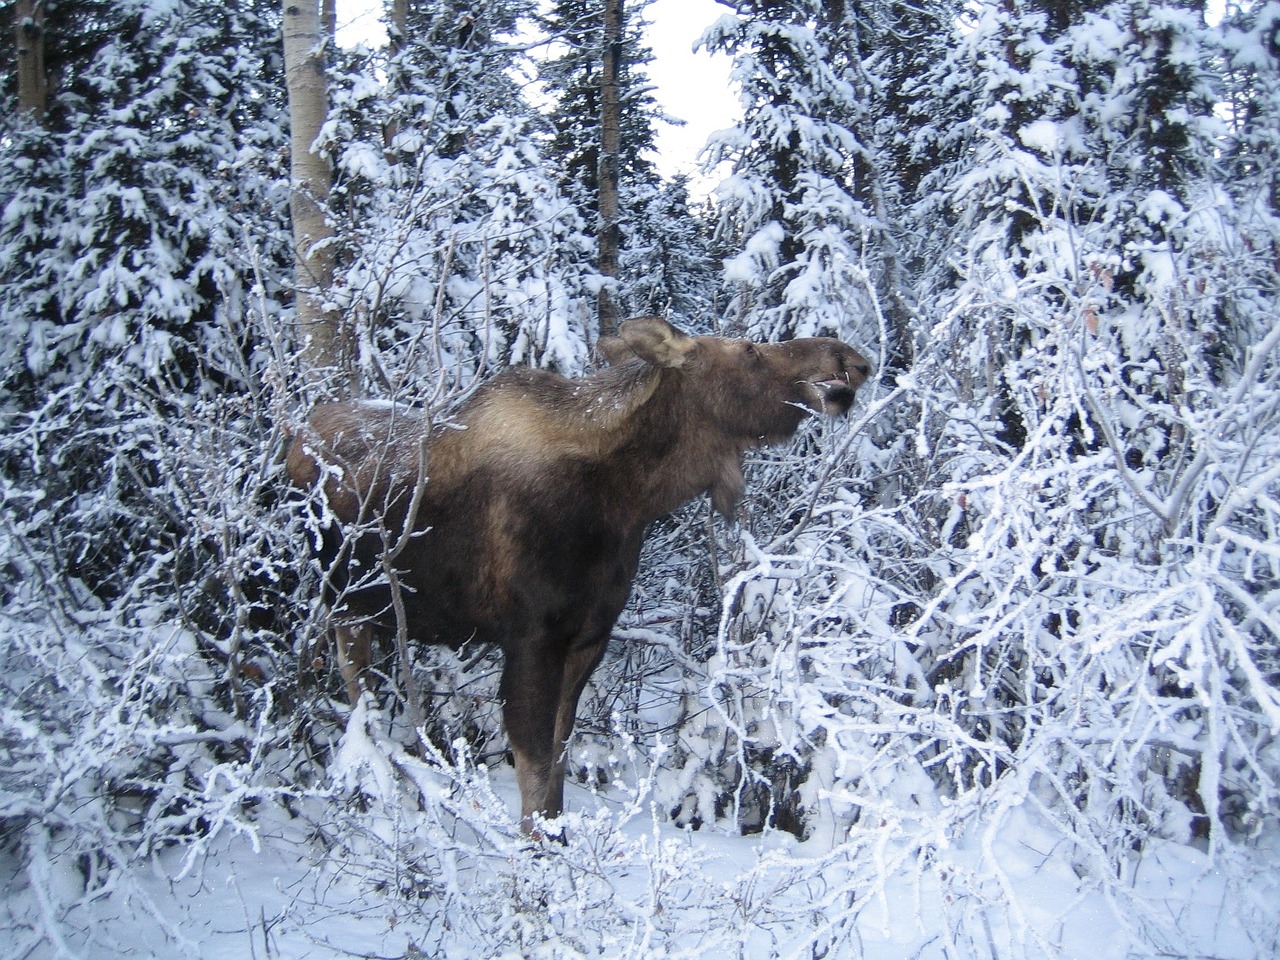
[[528, 526]]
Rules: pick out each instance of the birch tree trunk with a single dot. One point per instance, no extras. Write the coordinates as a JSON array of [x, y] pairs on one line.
[[33, 78], [328, 343], [610, 148]]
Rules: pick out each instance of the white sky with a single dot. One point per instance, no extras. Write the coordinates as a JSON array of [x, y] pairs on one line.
[[692, 87]]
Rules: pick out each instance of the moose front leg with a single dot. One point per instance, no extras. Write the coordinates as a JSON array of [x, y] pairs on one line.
[[530, 691], [578, 666], [354, 654]]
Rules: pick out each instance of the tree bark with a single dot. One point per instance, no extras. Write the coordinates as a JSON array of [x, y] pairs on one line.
[[328, 343], [33, 78], [397, 43], [610, 150], [329, 18], [398, 21]]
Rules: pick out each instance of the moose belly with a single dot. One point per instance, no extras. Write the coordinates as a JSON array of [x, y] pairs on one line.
[[541, 556], [515, 569]]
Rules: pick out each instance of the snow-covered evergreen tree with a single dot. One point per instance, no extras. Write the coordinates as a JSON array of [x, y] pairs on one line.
[[450, 218], [1251, 97], [142, 241], [138, 220], [795, 203], [668, 256], [573, 77]]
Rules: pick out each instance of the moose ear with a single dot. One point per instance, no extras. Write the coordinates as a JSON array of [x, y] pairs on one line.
[[654, 340]]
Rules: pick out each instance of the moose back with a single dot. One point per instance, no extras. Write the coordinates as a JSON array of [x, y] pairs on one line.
[[521, 522]]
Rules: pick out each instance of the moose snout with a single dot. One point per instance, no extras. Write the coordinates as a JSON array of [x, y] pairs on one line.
[[857, 368], [838, 392], [837, 395]]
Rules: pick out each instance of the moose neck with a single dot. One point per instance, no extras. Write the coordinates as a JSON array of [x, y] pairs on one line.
[[669, 451]]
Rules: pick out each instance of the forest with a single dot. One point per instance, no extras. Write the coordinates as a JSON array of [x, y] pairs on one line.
[[988, 669]]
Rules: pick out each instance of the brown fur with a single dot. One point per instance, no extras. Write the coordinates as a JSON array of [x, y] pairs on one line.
[[531, 509]]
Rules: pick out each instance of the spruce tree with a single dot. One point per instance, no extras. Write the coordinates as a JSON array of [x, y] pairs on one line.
[[669, 257], [796, 204], [143, 233], [1251, 96], [125, 231], [450, 219], [575, 77]]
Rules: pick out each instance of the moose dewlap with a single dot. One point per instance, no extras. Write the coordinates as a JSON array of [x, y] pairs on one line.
[[532, 506]]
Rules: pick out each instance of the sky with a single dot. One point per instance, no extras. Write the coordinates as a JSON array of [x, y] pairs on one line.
[[693, 87]]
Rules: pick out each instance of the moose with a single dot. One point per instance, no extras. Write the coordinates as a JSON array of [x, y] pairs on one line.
[[520, 521]]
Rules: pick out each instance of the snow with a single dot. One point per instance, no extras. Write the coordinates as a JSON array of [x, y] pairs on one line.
[[1053, 137], [987, 669], [760, 253], [625, 884]]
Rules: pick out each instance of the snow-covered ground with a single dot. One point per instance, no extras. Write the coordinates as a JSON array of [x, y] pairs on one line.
[[369, 883]]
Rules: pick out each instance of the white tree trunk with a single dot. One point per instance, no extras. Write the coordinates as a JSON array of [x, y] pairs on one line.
[[327, 341]]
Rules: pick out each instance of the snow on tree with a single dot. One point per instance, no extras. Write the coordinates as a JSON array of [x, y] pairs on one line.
[[1250, 51], [668, 256], [792, 203], [452, 222], [28, 39], [971, 593], [637, 217], [990, 667], [143, 231]]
